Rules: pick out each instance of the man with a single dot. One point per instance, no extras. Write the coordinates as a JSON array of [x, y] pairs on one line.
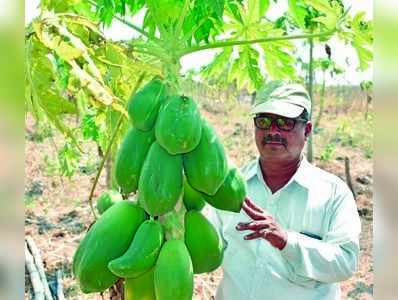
[[297, 234]]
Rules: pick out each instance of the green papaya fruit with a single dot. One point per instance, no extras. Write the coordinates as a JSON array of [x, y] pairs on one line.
[[173, 272], [231, 194], [140, 288], [130, 158], [143, 107], [107, 239], [179, 126], [192, 199], [107, 199], [206, 167], [161, 181], [142, 253], [203, 242]]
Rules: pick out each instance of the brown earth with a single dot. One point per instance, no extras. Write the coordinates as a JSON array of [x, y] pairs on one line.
[[58, 215]]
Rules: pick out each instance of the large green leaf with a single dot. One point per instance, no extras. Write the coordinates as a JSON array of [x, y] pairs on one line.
[[298, 12], [69, 158], [135, 5], [203, 20], [42, 81], [89, 127], [330, 12], [362, 40], [359, 34], [165, 12], [219, 64], [245, 70], [82, 7], [256, 9], [256, 79], [45, 95], [107, 9]]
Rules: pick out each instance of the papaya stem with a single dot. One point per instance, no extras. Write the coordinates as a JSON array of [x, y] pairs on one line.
[[232, 42], [108, 151]]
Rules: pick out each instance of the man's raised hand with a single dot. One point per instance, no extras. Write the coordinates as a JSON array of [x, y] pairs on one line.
[[263, 225]]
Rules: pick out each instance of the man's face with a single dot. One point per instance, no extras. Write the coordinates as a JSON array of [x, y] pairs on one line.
[[274, 143]]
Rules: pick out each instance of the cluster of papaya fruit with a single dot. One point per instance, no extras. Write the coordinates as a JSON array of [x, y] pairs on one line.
[[169, 153]]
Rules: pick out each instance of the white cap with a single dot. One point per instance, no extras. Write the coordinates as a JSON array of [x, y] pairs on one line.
[[281, 98]]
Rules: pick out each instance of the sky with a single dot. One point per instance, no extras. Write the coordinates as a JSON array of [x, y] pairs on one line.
[[195, 61]]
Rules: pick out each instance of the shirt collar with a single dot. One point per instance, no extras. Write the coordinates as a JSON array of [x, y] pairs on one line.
[[302, 175], [251, 169]]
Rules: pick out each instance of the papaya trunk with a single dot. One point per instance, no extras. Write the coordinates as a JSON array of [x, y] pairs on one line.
[[321, 103], [116, 292], [109, 177], [310, 79], [368, 99]]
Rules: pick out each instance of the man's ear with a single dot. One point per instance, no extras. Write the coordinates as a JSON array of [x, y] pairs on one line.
[[307, 129]]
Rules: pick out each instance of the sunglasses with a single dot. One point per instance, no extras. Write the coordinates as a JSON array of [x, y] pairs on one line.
[[284, 124]]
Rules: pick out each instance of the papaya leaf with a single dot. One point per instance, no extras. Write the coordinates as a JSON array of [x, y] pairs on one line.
[[279, 59], [82, 102], [69, 158], [44, 97], [329, 12], [81, 7], [89, 127], [135, 5], [256, 9], [208, 14], [325, 64], [84, 28], [232, 7], [359, 33], [42, 79], [100, 122], [298, 12], [62, 74], [149, 24], [245, 70], [165, 11], [67, 52], [66, 131], [256, 79], [362, 40], [107, 9], [218, 65]]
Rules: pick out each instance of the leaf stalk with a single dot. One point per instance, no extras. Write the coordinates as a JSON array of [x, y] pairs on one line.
[[230, 42]]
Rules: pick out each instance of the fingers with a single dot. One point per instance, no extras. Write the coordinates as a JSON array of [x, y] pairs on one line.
[[253, 206], [255, 215], [256, 235], [257, 225]]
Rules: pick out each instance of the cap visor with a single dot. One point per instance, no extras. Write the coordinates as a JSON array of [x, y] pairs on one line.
[[279, 108]]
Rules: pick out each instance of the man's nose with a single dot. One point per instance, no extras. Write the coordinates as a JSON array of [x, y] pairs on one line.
[[273, 127]]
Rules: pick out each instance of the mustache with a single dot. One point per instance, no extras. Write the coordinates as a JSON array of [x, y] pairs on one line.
[[274, 138]]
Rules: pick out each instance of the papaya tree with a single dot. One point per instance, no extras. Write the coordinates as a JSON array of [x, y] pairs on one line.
[[65, 42]]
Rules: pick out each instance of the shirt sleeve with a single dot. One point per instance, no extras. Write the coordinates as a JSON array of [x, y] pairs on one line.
[[335, 257]]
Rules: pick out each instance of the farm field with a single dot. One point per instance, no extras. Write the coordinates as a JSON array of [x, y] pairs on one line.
[[57, 214], [94, 68]]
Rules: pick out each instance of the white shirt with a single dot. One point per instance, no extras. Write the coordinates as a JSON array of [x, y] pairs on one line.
[[320, 215]]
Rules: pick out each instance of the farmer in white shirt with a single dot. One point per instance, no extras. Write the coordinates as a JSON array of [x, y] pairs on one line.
[[297, 235]]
